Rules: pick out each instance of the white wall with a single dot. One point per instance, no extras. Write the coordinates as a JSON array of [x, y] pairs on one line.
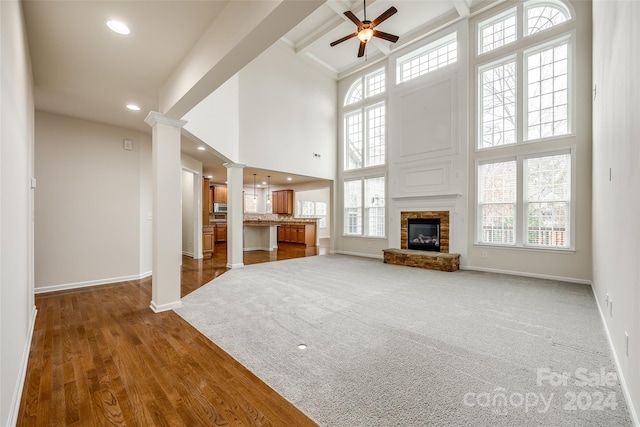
[[616, 180], [215, 120], [88, 203], [287, 112], [146, 208], [187, 213], [427, 149], [17, 310]]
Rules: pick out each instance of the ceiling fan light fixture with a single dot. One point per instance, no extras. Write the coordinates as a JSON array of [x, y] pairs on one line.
[[366, 29], [365, 34]]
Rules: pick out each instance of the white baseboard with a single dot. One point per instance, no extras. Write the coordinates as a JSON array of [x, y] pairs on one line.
[[623, 383], [236, 265], [525, 274], [17, 395], [259, 249], [159, 308], [189, 254], [359, 254], [77, 285]]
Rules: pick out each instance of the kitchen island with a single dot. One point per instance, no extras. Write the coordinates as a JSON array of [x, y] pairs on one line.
[[263, 232]]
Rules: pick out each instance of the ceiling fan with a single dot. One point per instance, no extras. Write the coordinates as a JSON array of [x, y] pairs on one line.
[[366, 28]]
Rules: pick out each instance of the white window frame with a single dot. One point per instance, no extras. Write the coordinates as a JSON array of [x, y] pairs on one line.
[[492, 21], [520, 55], [551, 3], [567, 39], [364, 220], [424, 52], [249, 201], [363, 82], [521, 220], [480, 69], [363, 113]]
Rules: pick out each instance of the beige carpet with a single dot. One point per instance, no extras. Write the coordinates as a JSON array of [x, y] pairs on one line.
[[390, 345]]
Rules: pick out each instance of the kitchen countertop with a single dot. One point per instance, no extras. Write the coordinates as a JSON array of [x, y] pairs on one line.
[[265, 222]]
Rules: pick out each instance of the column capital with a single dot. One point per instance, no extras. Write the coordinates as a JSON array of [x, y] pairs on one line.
[[232, 165], [154, 118]]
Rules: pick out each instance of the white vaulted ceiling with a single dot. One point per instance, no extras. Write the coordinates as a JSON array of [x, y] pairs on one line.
[[84, 70]]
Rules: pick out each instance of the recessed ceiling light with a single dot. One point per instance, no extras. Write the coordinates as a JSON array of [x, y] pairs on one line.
[[289, 178], [264, 182], [209, 176], [302, 346], [118, 27], [133, 107], [201, 148]]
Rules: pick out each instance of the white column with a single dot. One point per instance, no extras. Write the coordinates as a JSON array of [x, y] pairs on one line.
[[167, 212], [235, 222]]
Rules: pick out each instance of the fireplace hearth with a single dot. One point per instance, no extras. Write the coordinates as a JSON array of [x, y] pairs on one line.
[[423, 234]]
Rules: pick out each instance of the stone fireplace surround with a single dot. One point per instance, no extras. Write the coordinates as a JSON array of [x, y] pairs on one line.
[[443, 260], [443, 216]]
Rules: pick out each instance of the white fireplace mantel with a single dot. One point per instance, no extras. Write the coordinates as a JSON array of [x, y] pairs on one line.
[[427, 198]]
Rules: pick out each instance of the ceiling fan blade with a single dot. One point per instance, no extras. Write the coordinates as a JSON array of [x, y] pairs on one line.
[[361, 49], [343, 39], [385, 36], [391, 11], [353, 18]]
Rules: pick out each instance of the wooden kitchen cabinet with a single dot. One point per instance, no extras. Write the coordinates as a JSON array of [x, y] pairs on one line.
[[282, 202], [297, 233], [221, 233], [208, 241], [219, 194], [206, 202], [210, 204]]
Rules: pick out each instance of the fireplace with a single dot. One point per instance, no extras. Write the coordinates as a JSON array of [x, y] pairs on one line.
[[426, 221], [423, 234]]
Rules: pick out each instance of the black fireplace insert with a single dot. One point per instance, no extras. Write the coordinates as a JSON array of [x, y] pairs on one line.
[[423, 234]]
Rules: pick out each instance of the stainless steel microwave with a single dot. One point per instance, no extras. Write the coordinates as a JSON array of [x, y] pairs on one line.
[[219, 207]]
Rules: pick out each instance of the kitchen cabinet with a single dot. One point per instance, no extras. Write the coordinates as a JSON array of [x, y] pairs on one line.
[[221, 232], [208, 241], [210, 204], [206, 203], [297, 233], [282, 202], [219, 194]]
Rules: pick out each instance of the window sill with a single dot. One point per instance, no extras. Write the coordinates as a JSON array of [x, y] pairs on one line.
[[526, 248], [357, 236]]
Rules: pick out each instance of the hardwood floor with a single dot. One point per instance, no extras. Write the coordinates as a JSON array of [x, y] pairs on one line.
[[100, 356]]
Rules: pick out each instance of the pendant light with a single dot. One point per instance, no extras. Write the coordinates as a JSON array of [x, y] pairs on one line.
[[269, 190], [254, 188]]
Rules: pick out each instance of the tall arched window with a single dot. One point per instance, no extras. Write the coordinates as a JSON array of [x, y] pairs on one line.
[[364, 141], [524, 103]]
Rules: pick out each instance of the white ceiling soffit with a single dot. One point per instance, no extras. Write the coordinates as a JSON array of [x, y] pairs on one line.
[[414, 20]]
